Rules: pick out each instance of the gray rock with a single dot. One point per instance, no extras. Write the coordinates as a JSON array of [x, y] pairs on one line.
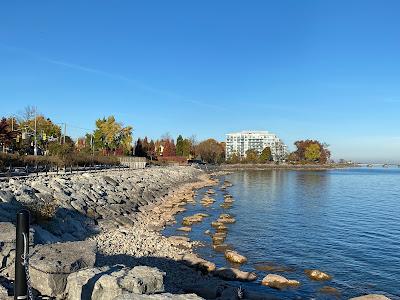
[[43, 236], [164, 296], [107, 283], [51, 264], [110, 181], [37, 185], [6, 196], [371, 297]]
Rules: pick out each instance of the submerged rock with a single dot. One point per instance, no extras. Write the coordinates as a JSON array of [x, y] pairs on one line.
[[198, 262], [279, 282], [235, 257], [235, 274], [329, 290], [272, 267]]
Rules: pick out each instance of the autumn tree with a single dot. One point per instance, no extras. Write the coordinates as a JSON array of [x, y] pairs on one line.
[[313, 152], [110, 135], [234, 159], [211, 151], [6, 134], [169, 147], [310, 151], [266, 155]]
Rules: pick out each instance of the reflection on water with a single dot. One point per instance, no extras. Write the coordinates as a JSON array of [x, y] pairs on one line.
[[344, 222]]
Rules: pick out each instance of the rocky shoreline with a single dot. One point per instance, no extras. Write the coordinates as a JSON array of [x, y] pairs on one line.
[[98, 236]]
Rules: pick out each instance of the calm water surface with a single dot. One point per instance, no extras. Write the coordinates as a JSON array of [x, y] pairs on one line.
[[343, 222]]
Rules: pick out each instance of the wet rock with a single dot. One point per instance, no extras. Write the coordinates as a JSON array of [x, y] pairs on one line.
[[226, 219], [198, 262], [51, 264], [107, 283], [235, 257], [185, 229], [6, 196], [235, 274], [279, 282], [317, 275], [165, 296], [329, 290], [272, 267], [221, 247]]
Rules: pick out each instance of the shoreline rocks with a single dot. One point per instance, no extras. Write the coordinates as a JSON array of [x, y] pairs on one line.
[[317, 275], [279, 282], [235, 257]]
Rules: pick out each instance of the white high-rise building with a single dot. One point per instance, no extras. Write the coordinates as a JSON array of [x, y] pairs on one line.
[[240, 142]]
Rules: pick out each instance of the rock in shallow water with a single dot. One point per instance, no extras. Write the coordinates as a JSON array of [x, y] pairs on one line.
[[371, 297], [165, 296], [235, 274], [235, 257], [279, 282], [317, 275]]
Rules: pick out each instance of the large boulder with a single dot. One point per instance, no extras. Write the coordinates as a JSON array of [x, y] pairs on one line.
[[7, 249], [278, 282], [51, 264], [108, 283]]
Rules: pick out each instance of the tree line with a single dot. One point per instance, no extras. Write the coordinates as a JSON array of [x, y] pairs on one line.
[[113, 138]]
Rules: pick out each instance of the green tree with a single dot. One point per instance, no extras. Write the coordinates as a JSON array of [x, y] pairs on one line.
[[313, 152], [251, 156], [186, 147], [179, 146], [266, 155]]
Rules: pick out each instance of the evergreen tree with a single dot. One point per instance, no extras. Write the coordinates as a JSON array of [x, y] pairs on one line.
[[179, 146]]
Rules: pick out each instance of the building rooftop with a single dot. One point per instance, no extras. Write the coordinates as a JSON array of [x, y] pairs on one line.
[[250, 132]]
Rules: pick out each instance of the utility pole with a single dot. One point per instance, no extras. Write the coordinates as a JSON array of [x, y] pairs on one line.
[[65, 131], [92, 144], [35, 146]]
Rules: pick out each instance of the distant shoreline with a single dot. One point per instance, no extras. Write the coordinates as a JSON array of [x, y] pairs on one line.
[[308, 167]]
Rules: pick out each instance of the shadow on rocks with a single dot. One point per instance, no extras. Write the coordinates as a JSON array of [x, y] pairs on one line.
[[65, 225]]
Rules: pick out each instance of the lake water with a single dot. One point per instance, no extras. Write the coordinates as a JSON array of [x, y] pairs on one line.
[[343, 222]]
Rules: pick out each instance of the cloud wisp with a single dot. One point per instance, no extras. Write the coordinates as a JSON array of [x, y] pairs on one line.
[[137, 83]]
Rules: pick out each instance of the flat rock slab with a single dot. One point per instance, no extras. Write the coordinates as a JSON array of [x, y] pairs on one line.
[[165, 296], [108, 283], [371, 297], [51, 264]]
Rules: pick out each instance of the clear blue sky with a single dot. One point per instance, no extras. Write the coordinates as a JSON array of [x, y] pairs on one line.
[[328, 70]]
